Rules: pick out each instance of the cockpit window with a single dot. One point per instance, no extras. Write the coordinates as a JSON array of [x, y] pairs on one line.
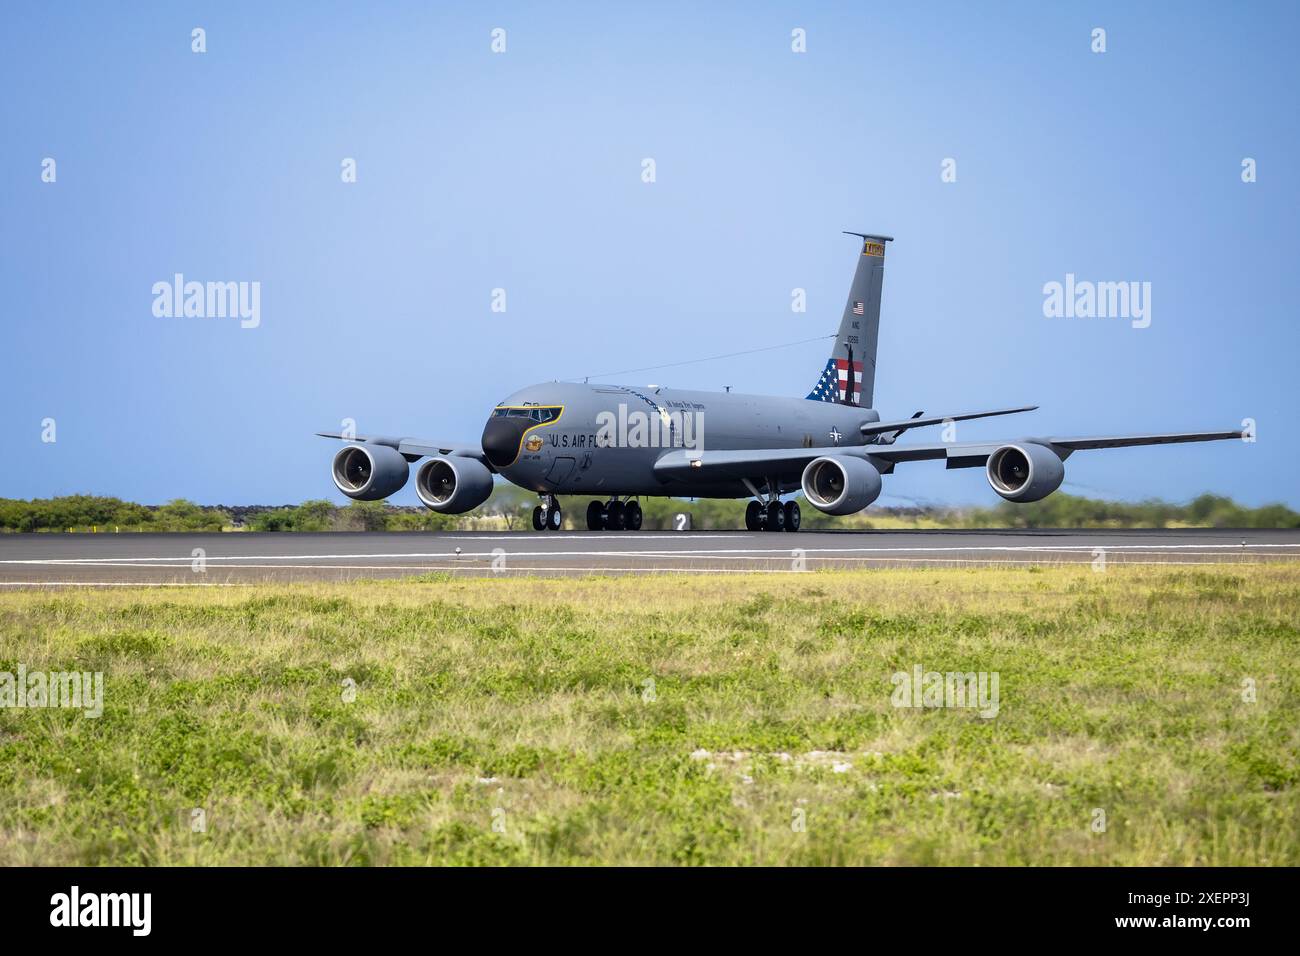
[[537, 413]]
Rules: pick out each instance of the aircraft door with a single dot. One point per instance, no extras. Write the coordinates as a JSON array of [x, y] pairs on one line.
[[559, 473]]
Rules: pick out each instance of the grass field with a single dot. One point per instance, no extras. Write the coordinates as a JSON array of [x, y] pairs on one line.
[[666, 720]]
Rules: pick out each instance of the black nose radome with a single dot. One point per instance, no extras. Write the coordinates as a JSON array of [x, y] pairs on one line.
[[501, 438]]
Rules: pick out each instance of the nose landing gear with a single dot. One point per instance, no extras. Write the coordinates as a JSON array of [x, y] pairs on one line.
[[547, 516]]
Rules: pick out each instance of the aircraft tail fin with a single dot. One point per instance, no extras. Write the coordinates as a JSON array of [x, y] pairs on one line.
[[849, 377]]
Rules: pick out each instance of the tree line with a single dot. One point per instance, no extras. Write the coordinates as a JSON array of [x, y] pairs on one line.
[[510, 509]]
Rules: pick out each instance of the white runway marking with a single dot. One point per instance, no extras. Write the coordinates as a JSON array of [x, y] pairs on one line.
[[126, 584], [598, 536], [735, 553], [471, 561]]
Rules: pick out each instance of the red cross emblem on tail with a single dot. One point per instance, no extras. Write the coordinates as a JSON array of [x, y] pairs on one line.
[[843, 366]]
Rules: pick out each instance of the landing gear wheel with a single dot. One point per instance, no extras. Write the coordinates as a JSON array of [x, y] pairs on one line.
[[554, 518], [632, 516], [595, 516], [775, 516], [754, 516], [615, 516], [792, 516], [539, 519]]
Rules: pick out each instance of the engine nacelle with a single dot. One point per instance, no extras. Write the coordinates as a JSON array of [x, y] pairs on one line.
[[840, 485], [450, 484], [369, 472], [1025, 472]]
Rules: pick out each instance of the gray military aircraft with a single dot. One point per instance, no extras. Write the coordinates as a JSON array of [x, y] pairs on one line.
[[616, 443]]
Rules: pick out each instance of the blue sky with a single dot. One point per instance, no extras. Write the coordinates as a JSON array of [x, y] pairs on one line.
[[522, 171]]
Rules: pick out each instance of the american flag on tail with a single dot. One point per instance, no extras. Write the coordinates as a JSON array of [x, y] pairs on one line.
[[834, 382]]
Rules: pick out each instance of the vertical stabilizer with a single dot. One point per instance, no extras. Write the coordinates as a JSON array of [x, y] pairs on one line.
[[850, 373]]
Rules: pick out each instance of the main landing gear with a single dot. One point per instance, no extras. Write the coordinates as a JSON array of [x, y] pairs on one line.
[[614, 516], [773, 516]]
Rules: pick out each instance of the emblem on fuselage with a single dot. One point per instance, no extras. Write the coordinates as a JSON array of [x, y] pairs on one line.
[[534, 443]]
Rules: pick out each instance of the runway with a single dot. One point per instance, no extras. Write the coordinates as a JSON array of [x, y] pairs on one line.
[[206, 560]]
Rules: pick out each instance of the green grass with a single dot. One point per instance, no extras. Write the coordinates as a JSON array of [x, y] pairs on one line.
[[510, 721]]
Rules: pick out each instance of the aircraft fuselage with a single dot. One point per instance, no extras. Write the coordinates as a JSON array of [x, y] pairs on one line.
[[604, 440]]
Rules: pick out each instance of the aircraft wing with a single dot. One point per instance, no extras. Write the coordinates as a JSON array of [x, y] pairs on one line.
[[1124, 441], [917, 421], [975, 454], [414, 448], [757, 463]]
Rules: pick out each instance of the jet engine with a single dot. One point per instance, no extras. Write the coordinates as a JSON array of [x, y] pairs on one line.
[[369, 472], [840, 485], [453, 484], [1025, 472]]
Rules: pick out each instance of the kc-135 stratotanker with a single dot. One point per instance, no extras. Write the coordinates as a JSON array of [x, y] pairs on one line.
[[616, 443]]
